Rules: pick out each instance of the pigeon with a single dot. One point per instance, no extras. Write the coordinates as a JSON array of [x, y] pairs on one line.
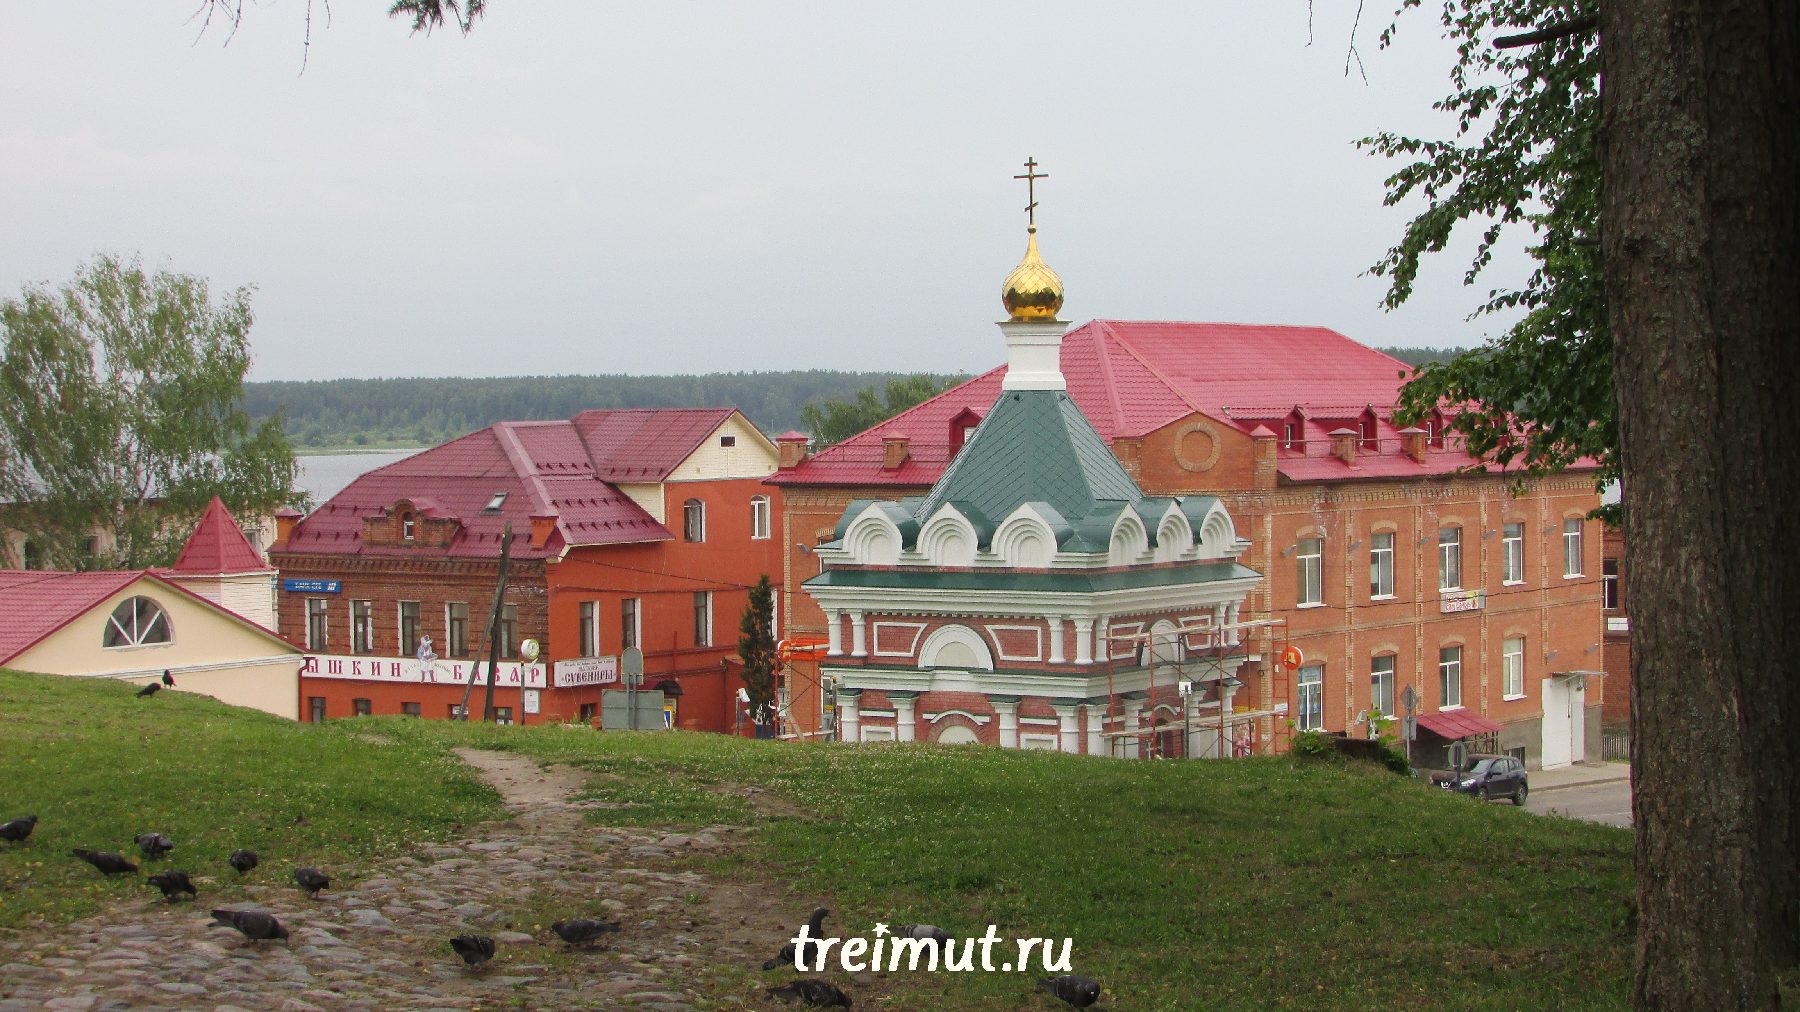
[[252, 924], [474, 949], [583, 930], [811, 991], [108, 862], [814, 925], [242, 860], [927, 932], [1073, 988], [18, 829], [149, 690], [168, 678], [173, 883], [154, 845], [312, 880]]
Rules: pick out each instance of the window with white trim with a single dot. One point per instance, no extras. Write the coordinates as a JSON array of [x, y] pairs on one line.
[[362, 627], [693, 520], [590, 629], [629, 627], [1609, 584], [1381, 686], [316, 608], [759, 518], [137, 622], [1512, 667], [1449, 677], [1311, 715], [1572, 547], [1450, 558], [1381, 565], [409, 628], [703, 618], [1310, 563], [509, 632], [1512, 553], [456, 629]]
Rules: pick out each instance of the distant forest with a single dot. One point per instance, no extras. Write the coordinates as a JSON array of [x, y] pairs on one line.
[[353, 413]]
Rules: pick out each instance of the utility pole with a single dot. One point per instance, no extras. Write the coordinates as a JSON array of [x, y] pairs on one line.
[[493, 636]]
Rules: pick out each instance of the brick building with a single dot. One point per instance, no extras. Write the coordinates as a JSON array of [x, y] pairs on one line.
[[1388, 564], [1617, 712], [638, 528]]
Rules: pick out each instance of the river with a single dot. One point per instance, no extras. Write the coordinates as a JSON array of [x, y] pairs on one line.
[[327, 474]]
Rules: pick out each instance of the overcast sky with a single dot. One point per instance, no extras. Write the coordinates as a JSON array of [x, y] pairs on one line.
[[587, 187]]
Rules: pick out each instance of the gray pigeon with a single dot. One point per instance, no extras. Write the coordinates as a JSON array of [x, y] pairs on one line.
[[242, 860], [108, 862], [173, 883], [812, 991], [474, 949], [252, 924], [18, 829], [814, 925], [582, 930], [312, 880], [154, 845], [1073, 988], [149, 690], [927, 932]]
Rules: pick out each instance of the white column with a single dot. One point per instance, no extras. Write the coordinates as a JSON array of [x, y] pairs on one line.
[[1197, 733], [1102, 645], [859, 637], [1225, 694], [834, 629], [1008, 711], [1066, 729], [1084, 641], [1231, 616], [904, 723], [1096, 718], [849, 715], [1056, 638], [1134, 708]]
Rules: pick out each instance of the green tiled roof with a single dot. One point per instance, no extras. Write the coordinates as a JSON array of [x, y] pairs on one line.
[[1064, 581], [1034, 446]]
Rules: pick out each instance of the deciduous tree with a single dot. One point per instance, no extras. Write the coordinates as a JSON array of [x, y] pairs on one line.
[[833, 420]]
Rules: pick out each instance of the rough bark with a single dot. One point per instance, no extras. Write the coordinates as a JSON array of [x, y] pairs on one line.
[[1700, 238]]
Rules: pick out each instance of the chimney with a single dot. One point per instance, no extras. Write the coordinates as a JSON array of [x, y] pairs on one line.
[[791, 447], [1343, 444], [542, 527], [1412, 442], [286, 519], [895, 449], [1263, 457]]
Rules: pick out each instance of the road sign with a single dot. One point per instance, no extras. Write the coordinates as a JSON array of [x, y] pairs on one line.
[[1409, 727], [1292, 658], [1409, 697], [631, 667], [530, 650]]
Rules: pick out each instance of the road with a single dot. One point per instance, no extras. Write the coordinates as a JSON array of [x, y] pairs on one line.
[[1605, 803]]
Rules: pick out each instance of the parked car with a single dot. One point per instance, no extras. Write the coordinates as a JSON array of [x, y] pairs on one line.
[[1488, 777]]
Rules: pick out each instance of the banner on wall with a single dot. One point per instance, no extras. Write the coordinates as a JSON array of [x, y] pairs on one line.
[[511, 674]]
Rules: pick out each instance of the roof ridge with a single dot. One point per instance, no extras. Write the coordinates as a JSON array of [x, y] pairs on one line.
[[1102, 329], [522, 466], [1162, 377]]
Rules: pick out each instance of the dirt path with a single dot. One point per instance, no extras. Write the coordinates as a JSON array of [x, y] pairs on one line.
[[380, 938]]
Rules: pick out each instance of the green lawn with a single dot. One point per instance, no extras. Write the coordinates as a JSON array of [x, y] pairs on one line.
[[1183, 884]]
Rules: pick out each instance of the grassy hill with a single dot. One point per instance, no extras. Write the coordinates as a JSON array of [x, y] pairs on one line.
[[1249, 884]]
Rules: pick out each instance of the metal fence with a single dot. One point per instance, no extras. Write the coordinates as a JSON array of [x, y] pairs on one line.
[[1616, 746]]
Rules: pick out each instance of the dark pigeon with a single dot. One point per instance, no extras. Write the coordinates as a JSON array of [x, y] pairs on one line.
[[252, 924], [582, 930], [149, 690], [1073, 988], [168, 678], [474, 949], [312, 880], [154, 845], [242, 860], [108, 862], [812, 991], [18, 829], [173, 883], [815, 924]]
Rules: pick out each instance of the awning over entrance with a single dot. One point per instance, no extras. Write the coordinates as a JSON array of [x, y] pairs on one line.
[[1457, 724]]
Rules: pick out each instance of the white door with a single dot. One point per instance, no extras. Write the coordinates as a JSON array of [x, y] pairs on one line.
[[1559, 729]]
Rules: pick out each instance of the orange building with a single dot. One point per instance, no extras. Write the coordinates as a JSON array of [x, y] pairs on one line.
[[634, 528], [1388, 565]]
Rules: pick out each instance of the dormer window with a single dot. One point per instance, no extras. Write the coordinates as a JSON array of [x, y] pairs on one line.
[[408, 526], [1365, 430], [1290, 434], [961, 426], [1434, 429], [494, 504]]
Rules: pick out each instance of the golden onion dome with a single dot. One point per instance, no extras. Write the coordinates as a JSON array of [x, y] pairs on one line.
[[1032, 291]]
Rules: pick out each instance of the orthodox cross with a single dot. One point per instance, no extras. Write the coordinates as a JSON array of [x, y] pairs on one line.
[[1031, 176]]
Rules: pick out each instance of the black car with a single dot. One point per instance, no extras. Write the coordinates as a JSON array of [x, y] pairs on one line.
[[1488, 777]]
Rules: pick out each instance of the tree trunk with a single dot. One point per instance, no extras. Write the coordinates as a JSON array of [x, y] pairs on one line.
[[1700, 237]]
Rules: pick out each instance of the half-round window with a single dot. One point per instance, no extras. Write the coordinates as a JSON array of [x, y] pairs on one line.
[[137, 622]]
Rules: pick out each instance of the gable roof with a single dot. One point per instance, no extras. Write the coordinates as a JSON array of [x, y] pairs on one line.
[[644, 444], [35, 604], [218, 546]]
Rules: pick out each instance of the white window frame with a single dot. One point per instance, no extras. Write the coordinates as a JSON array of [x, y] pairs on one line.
[[319, 608], [1309, 572], [1449, 558], [587, 628], [703, 618], [1381, 684], [400, 626], [1609, 585], [1512, 667], [1450, 675], [693, 521], [759, 518], [362, 627], [1512, 554], [1310, 690], [631, 622], [1381, 566], [509, 632], [1573, 563], [157, 631], [450, 639]]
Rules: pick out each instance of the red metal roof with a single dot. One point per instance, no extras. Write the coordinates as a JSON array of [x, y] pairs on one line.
[[564, 469], [217, 546], [1131, 378], [1456, 724], [34, 604]]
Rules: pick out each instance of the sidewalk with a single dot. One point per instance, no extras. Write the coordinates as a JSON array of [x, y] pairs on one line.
[[1579, 775]]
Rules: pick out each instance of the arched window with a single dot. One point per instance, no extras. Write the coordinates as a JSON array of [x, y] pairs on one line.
[[137, 622], [759, 517], [693, 520]]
